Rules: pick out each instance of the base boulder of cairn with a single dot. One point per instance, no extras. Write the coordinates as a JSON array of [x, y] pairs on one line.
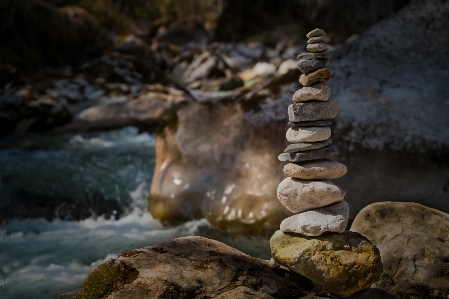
[[341, 263], [314, 242]]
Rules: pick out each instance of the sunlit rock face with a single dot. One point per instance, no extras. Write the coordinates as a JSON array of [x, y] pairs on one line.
[[218, 159]]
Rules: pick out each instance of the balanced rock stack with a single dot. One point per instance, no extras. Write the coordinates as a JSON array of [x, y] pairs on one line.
[[314, 242]]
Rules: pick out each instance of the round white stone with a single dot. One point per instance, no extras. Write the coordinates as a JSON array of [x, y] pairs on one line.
[[315, 170], [308, 134], [301, 195], [333, 218]]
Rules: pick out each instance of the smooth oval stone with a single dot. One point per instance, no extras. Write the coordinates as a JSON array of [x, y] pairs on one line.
[[333, 218], [317, 91], [342, 264], [318, 123], [318, 39], [316, 170], [317, 48], [312, 111], [308, 134], [307, 66], [307, 146], [316, 32], [321, 75], [322, 153], [314, 56], [301, 195]]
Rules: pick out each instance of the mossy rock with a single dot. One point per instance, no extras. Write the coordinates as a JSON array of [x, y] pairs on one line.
[[343, 263], [108, 277]]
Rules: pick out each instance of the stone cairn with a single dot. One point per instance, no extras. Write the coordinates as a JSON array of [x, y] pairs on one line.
[[314, 242]]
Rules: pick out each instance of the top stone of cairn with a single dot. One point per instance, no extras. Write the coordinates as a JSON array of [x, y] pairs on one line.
[[316, 32]]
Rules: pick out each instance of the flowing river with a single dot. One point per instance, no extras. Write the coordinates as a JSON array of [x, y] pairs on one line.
[[69, 202]]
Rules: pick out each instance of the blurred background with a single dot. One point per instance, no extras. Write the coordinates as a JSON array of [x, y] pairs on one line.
[[124, 124]]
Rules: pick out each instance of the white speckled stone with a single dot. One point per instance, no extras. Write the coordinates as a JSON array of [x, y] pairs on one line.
[[308, 134], [301, 195], [315, 170], [333, 218], [317, 91]]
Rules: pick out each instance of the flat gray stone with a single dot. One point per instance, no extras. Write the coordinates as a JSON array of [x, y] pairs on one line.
[[318, 39], [308, 134], [317, 48], [318, 123], [314, 56], [316, 32], [307, 146], [312, 111], [322, 153], [309, 65], [333, 218], [315, 170]]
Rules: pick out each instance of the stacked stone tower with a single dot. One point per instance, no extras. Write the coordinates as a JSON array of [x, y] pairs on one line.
[[314, 242]]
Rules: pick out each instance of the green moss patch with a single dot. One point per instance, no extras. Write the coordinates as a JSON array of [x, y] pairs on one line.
[[108, 277]]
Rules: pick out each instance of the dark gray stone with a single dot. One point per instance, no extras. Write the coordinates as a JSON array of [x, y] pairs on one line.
[[309, 65], [322, 153], [309, 56], [312, 111], [318, 39], [318, 123], [307, 146]]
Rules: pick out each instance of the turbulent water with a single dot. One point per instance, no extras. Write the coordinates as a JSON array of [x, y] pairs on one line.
[[41, 258]]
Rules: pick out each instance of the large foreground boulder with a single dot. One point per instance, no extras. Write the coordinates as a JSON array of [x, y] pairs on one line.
[[190, 267], [413, 242], [217, 159]]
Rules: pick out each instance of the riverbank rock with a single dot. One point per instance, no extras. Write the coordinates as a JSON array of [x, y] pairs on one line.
[[189, 267], [348, 261], [413, 242]]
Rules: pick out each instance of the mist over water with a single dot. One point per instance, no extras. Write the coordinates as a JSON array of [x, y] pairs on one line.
[[41, 258]]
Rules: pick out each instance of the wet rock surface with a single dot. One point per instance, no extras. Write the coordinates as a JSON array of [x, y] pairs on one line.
[[412, 240]]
